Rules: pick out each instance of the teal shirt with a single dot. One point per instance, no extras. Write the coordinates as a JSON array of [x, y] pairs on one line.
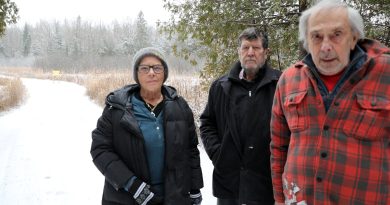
[[153, 132]]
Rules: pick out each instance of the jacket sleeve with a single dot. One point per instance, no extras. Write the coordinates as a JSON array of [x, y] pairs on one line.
[[208, 127], [196, 171], [103, 153], [280, 138]]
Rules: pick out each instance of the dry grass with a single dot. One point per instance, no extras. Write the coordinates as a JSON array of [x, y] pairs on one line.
[[12, 92], [27, 72], [189, 87], [99, 83]]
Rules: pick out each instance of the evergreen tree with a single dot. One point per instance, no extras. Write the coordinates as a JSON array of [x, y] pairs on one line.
[[376, 17], [58, 42], [142, 37], [8, 14], [77, 39], [26, 40]]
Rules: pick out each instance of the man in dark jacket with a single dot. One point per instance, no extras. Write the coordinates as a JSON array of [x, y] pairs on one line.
[[235, 125]]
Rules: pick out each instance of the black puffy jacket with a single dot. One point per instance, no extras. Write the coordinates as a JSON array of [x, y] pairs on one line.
[[239, 146], [118, 148]]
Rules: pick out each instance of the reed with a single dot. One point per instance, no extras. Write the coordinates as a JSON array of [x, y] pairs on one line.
[[12, 92], [99, 84], [188, 86]]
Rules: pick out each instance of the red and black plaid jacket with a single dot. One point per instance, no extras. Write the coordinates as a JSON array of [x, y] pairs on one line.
[[337, 157]]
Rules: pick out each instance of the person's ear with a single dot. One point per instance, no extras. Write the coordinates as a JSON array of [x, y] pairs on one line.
[[267, 51], [355, 38]]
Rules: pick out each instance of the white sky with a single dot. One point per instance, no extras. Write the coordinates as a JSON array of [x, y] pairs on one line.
[[32, 11], [45, 144]]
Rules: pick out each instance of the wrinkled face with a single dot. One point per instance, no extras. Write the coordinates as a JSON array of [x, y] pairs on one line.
[[252, 55], [149, 80], [330, 40]]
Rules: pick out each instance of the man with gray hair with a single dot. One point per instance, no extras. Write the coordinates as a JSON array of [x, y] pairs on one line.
[[330, 125]]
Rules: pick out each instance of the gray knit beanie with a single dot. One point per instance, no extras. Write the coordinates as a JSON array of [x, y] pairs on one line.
[[144, 52]]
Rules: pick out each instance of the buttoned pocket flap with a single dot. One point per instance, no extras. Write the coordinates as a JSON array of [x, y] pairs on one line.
[[295, 98], [369, 120], [372, 102], [296, 111]]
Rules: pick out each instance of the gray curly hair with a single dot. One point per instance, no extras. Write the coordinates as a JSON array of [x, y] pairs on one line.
[[355, 19]]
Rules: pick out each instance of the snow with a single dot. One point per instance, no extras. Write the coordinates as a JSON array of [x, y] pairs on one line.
[[45, 144]]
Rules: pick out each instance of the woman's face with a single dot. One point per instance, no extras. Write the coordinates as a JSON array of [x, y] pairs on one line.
[[151, 74]]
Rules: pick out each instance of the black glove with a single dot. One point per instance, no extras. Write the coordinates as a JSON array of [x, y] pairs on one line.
[[142, 194], [196, 197]]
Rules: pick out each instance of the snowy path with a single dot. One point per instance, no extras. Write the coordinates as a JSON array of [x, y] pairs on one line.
[[44, 149]]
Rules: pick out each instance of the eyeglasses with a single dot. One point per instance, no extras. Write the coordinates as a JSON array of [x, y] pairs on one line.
[[145, 69]]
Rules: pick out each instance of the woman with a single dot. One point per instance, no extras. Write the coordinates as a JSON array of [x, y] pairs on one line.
[[145, 142]]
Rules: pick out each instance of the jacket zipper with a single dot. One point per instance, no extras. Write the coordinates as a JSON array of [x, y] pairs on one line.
[[250, 93]]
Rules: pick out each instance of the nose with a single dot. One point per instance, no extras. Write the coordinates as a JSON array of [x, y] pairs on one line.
[[326, 46], [150, 73], [251, 51]]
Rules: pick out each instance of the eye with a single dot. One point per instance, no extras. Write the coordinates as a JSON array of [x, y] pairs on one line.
[[337, 36], [256, 48], [143, 69], [244, 48], [158, 68], [316, 37]]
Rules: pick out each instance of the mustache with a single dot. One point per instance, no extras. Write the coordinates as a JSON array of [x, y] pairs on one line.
[[250, 59], [327, 55]]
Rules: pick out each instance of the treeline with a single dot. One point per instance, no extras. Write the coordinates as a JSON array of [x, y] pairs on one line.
[[205, 29], [77, 45]]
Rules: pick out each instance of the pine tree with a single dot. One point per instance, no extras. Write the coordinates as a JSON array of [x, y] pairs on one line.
[[26, 41], [142, 38], [8, 14]]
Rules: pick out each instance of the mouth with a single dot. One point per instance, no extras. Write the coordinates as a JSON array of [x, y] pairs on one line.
[[328, 60], [152, 81], [250, 61]]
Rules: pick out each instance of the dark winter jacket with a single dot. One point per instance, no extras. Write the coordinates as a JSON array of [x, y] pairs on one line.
[[118, 148], [235, 130]]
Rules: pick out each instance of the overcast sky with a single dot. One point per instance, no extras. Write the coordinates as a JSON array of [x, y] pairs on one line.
[[32, 11]]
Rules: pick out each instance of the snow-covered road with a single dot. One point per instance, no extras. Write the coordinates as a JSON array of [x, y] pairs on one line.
[[44, 149]]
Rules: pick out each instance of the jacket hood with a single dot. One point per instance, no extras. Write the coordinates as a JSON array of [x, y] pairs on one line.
[[121, 98], [373, 47]]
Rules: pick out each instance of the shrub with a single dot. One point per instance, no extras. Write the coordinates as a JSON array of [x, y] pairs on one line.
[[12, 92]]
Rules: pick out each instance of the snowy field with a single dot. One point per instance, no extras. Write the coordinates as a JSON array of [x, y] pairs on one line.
[[44, 149]]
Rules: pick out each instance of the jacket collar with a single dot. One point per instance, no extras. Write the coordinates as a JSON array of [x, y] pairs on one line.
[[233, 76], [121, 98], [373, 48]]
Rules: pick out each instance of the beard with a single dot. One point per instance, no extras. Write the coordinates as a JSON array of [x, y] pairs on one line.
[[252, 70]]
